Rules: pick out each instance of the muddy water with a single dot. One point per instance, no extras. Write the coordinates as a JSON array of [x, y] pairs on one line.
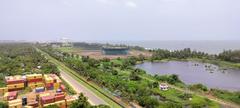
[[195, 72]]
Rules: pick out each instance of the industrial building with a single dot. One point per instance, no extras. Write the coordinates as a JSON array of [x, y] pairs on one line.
[[107, 50]]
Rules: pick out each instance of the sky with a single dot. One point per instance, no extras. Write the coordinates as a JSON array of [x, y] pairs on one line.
[[81, 20]]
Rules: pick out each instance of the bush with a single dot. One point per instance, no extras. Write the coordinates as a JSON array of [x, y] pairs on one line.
[[101, 106], [148, 102], [172, 79], [52, 106], [196, 87], [3, 105], [185, 96]]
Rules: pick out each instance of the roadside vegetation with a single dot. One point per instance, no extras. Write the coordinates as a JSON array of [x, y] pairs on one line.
[[83, 103], [69, 89], [121, 79]]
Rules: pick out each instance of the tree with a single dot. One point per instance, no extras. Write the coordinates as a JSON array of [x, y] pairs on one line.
[[155, 84], [134, 76], [148, 102], [77, 56], [81, 102], [52, 106], [173, 79], [3, 105], [114, 72], [101, 106]]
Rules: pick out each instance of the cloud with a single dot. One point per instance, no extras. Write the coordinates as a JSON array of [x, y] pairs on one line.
[[103, 1], [66, 3], [131, 4]]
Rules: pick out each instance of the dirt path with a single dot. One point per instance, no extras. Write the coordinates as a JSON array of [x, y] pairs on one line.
[[93, 99], [224, 103]]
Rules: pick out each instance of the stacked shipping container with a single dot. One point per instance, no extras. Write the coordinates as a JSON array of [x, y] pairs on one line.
[[14, 82], [3, 90], [69, 100], [35, 80], [10, 95], [17, 103], [65, 103], [39, 83], [52, 82]]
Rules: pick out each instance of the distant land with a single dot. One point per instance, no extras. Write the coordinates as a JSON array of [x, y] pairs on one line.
[[208, 46]]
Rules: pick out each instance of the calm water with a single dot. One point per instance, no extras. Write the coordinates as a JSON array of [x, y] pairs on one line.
[[212, 47], [194, 72]]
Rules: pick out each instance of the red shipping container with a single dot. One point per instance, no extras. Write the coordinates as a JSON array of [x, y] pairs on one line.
[[15, 81], [12, 95], [33, 104], [59, 97], [17, 89], [47, 99], [49, 85], [35, 80], [57, 94], [62, 87]]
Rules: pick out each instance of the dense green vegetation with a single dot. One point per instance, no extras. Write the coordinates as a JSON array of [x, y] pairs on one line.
[[52, 106], [222, 94], [22, 58], [119, 77], [231, 56], [3, 105], [180, 54], [171, 79], [226, 95]]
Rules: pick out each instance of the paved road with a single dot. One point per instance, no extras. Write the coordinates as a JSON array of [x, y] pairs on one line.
[[76, 84], [92, 98]]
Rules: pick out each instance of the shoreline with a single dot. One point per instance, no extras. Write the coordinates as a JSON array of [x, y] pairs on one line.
[[222, 64]]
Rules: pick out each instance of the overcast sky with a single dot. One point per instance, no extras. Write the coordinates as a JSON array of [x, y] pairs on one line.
[[120, 19]]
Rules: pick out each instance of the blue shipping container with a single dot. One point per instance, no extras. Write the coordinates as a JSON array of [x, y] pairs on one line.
[[39, 89]]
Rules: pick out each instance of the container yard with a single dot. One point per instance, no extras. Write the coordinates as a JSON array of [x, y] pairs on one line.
[[45, 90]]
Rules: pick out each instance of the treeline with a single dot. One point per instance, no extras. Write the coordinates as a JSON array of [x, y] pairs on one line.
[[229, 55], [22, 58], [179, 54], [98, 46], [87, 46]]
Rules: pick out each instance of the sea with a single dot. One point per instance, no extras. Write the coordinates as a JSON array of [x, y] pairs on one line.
[[207, 46]]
